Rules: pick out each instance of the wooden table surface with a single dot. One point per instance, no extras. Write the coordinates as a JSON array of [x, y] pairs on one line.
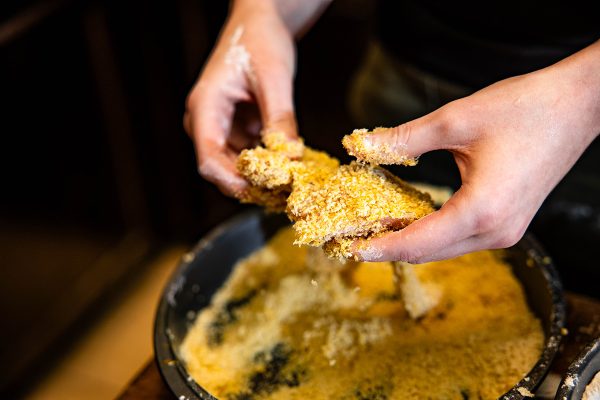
[[583, 324]]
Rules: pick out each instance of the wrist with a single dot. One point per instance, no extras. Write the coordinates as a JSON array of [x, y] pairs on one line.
[[296, 15], [580, 73]]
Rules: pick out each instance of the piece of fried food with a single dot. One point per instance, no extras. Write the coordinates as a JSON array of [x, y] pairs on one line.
[[266, 169], [274, 177], [331, 205], [358, 201]]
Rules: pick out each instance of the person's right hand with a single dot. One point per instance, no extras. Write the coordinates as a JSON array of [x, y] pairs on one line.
[[244, 90], [512, 141]]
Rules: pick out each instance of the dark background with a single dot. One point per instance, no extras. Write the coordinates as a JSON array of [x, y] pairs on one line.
[[97, 174]]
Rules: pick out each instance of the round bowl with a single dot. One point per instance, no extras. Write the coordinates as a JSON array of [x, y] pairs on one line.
[[203, 270], [580, 373]]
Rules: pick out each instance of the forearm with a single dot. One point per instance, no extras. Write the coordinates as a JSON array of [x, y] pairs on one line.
[[579, 75], [297, 15]]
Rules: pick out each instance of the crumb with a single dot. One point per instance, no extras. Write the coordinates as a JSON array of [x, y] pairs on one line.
[[418, 298], [524, 392]]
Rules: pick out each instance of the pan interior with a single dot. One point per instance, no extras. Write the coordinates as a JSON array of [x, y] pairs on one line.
[[206, 268]]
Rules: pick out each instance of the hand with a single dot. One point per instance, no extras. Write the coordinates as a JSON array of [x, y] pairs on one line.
[[512, 141], [244, 89]]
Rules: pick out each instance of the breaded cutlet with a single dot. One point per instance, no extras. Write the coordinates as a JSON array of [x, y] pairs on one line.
[[330, 205]]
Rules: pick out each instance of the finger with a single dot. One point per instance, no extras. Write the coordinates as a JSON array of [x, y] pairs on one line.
[[210, 122], [187, 126], [221, 170], [246, 127], [239, 141], [274, 94], [425, 237], [405, 142], [467, 245]]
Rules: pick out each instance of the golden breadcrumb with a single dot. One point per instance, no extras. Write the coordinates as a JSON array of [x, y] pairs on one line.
[[356, 145], [418, 297], [357, 201], [279, 142], [273, 200], [339, 248], [265, 168], [317, 167], [271, 174], [284, 328], [328, 203]]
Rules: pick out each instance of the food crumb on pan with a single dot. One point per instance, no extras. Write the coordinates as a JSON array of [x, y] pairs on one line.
[[524, 392]]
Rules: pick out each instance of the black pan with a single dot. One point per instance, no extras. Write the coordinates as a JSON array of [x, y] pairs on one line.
[[202, 271], [580, 372]]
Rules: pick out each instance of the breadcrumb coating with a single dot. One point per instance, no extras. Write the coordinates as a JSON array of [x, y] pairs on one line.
[[330, 205], [279, 142], [357, 201], [358, 146], [265, 168], [273, 200], [273, 177]]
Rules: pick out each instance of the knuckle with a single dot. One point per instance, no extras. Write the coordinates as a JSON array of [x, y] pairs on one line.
[[513, 232], [447, 119], [486, 220], [508, 238], [416, 260], [400, 136], [204, 169], [206, 166], [450, 119], [411, 256], [192, 99]]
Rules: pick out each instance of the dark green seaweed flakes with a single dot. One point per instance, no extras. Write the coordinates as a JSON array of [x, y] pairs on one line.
[[273, 372], [377, 392], [227, 316]]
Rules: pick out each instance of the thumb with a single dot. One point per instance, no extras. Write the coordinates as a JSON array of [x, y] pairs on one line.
[[401, 144]]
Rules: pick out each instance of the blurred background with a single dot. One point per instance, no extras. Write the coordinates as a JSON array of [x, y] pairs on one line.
[[98, 177], [100, 194]]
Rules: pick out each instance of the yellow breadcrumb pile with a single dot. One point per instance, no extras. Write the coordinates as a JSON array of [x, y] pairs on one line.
[[330, 205], [357, 145], [282, 327]]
